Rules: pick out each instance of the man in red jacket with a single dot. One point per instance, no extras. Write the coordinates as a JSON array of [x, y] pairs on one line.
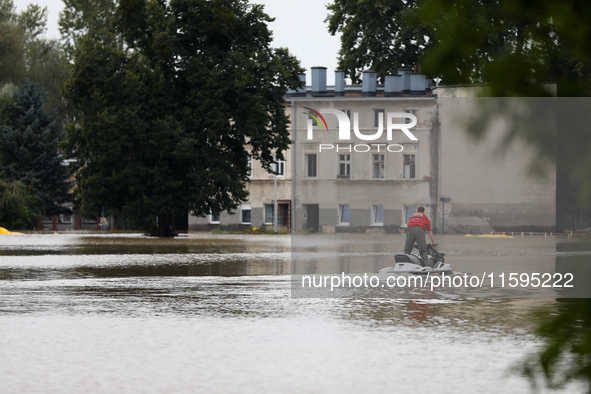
[[415, 232]]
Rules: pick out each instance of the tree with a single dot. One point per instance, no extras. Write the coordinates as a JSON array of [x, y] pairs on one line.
[[19, 206], [518, 44], [165, 123], [33, 20], [25, 54], [29, 148], [12, 46], [382, 35], [83, 18]]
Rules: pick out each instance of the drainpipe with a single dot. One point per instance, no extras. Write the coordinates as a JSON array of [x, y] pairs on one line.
[[443, 200], [275, 200], [293, 167]]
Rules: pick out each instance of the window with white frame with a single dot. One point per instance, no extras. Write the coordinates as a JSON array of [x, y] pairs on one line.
[[279, 167], [377, 215], [344, 165], [410, 111], [344, 215], [377, 113], [409, 167], [378, 166], [249, 166], [408, 212], [214, 218], [310, 165], [245, 212], [269, 210], [348, 112]]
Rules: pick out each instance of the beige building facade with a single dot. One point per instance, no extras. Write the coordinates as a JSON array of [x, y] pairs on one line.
[[372, 180]]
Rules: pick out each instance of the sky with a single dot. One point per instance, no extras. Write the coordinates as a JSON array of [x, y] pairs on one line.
[[299, 25]]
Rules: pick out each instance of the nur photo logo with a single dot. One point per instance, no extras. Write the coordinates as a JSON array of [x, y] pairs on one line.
[[344, 129]]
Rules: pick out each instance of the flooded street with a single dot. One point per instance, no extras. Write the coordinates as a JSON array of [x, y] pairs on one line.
[[214, 314]]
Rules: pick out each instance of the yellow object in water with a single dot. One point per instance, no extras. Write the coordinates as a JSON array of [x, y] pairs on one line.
[[5, 231], [489, 236]]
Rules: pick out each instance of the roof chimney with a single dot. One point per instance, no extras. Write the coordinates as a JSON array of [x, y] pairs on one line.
[[405, 73], [339, 83], [417, 83], [318, 80], [393, 85], [368, 87]]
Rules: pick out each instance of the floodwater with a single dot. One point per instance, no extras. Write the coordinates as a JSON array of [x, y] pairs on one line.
[[214, 314]]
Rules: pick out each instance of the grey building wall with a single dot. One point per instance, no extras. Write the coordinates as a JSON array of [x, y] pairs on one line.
[[361, 190], [490, 187]]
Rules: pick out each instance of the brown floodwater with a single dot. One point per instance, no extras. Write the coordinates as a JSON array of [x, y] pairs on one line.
[[215, 313]]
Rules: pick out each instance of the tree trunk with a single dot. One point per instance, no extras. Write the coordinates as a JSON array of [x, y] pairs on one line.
[[166, 226]]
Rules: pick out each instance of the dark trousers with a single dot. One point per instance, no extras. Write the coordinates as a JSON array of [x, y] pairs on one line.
[[416, 234]]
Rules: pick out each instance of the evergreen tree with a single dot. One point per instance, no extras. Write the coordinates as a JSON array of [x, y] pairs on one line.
[[29, 149]]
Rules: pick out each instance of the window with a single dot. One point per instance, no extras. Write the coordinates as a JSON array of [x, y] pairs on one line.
[[377, 217], [279, 167], [344, 215], [269, 208], [378, 166], [249, 166], [246, 213], [377, 113], [214, 218], [314, 123], [409, 166], [410, 111], [310, 164], [408, 211], [344, 166]]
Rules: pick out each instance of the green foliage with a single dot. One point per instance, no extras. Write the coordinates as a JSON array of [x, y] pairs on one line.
[[12, 53], [566, 354], [25, 54], [29, 148], [153, 230], [18, 207], [7, 11], [382, 35], [87, 19], [33, 20], [510, 44], [165, 123], [49, 68]]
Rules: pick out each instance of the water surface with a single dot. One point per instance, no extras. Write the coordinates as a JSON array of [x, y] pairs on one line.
[[214, 314]]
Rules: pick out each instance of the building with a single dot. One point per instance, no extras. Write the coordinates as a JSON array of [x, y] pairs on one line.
[[369, 175]]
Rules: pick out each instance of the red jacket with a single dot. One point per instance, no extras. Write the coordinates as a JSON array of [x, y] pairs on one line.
[[421, 220]]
